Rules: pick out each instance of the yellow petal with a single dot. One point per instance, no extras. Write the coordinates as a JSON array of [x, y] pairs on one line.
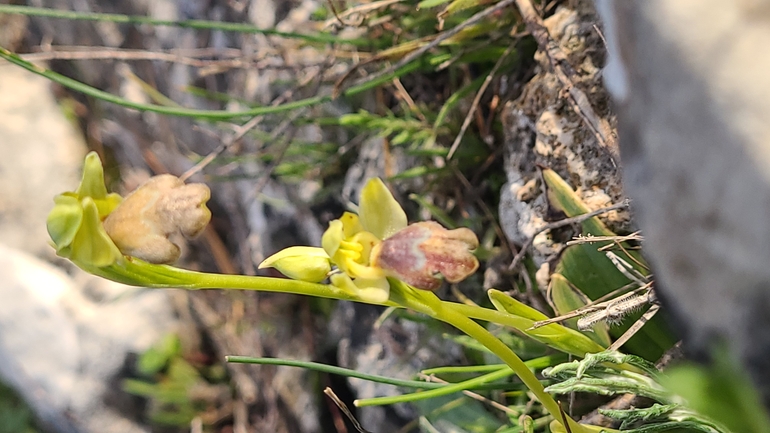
[[379, 212], [358, 270], [300, 263], [92, 185], [374, 291], [332, 238], [351, 224]]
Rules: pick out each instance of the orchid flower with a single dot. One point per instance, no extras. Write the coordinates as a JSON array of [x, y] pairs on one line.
[[97, 230], [376, 244]]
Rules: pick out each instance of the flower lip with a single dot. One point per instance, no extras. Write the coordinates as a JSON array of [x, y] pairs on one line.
[[141, 225], [424, 252]]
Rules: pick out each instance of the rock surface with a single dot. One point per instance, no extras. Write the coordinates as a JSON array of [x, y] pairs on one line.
[[64, 336], [543, 128], [690, 80]]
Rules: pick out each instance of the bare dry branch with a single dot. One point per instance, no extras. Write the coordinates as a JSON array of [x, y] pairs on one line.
[[565, 222]]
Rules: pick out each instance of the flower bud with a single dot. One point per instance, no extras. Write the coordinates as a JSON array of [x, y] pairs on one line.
[[300, 263], [141, 225], [424, 252]]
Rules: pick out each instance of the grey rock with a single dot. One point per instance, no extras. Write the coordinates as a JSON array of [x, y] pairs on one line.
[[41, 151], [64, 337], [62, 349], [690, 81], [542, 128]]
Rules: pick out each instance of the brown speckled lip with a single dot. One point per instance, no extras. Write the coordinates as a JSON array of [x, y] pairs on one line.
[[424, 253]]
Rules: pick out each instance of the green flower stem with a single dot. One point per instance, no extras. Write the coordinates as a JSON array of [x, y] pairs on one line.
[[570, 341], [139, 273], [136, 272], [438, 392], [430, 304], [536, 363], [477, 332]]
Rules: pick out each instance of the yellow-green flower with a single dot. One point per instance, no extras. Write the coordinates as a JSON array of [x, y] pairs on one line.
[[300, 263], [95, 229], [348, 243], [424, 253], [376, 244]]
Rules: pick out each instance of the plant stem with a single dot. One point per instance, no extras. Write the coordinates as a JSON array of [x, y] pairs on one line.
[[191, 112], [430, 304], [136, 272], [190, 24], [438, 392]]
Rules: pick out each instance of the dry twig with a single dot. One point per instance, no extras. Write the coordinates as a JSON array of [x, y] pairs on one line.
[[476, 101], [599, 306], [635, 327], [344, 408], [557, 224], [580, 239]]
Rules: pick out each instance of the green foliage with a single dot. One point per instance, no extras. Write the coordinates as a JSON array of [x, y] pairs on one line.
[[722, 391], [401, 131], [423, 123], [613, 373], [167, 382], [15, 416]]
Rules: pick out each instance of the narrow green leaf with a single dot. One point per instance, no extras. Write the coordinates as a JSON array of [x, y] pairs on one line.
[[459, 6], [553, 335], [427, 4], [566, 299], [437, 213], [324, 368], [190, 24]]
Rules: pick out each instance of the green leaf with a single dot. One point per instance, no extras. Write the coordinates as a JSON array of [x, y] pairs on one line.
[[721, 392], [505, 303], [566, 299], [459, 6], [330, 369], [456, 414], [589, 269], [436, 212], [427, 4], [554, 335], [158, 356]]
